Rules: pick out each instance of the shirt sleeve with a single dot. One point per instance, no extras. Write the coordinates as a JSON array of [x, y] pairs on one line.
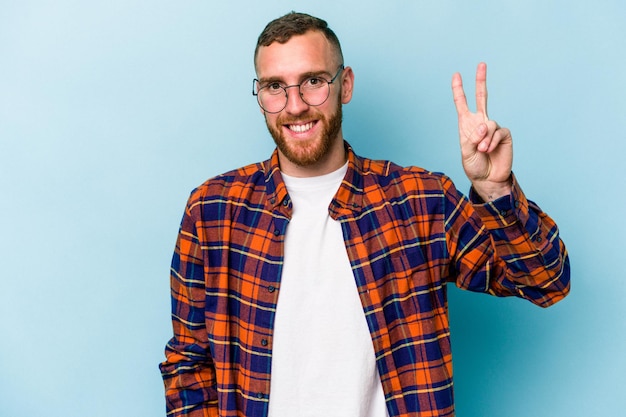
[[508, 247], [188, 370]]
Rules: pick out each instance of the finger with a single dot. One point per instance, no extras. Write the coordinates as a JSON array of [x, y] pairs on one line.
[[479, 134], [458, 94], [481, 88], [501, 135], [486, 144], [485, 136]]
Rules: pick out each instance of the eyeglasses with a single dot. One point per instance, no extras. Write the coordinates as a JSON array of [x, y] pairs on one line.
[[272, 97]]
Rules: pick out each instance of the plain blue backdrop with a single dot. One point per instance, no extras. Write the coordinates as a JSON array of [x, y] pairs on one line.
[[112, 111]]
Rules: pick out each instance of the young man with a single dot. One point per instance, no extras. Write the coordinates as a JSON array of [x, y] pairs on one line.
[[314, 283]]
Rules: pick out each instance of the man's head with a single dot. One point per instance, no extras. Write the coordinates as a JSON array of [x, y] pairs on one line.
[[295, 55]]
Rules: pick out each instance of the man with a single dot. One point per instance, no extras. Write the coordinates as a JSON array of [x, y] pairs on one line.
[[314, 283]]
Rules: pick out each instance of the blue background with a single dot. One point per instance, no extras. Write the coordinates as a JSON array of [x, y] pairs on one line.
[[112, 111]]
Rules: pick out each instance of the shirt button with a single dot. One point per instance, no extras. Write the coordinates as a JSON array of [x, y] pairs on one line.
[[517, 204], [272, 200], [286, 202], [503, 213], [260, 395], [276, 232], [264, 342], [271, 288]]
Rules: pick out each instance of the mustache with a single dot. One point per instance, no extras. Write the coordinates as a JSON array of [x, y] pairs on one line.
[[309, 116], [294, 121]]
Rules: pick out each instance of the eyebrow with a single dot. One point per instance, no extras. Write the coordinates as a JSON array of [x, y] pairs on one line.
[[302, 77]]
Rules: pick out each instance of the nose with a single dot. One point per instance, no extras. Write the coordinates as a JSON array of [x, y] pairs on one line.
[[295, 104]]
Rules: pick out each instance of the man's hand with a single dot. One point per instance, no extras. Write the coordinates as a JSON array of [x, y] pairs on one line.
[[486, 148]]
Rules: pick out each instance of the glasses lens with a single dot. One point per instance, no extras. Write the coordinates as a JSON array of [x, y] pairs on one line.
[[271, 101], [315, 91]]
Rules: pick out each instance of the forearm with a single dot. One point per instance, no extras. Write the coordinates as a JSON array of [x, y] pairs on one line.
[[536, 263], [506, 247], [188, 370], [189, 380]]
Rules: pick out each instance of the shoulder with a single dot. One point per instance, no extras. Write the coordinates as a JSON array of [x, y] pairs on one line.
[[236, 184], [389, 174]]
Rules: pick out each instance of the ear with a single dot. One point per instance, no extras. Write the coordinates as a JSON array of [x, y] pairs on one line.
[[347, 85]]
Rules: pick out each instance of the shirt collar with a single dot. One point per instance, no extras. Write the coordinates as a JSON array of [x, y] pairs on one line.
[[349, 196]]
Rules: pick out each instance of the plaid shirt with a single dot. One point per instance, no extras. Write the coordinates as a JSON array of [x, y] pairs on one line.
[[407, 233]]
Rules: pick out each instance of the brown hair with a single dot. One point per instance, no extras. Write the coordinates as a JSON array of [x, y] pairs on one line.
[[282, 29]]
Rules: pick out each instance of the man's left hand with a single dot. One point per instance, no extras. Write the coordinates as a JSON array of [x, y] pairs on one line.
[[486, 148]]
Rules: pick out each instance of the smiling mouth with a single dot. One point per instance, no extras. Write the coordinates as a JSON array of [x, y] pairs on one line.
[[302, 128]]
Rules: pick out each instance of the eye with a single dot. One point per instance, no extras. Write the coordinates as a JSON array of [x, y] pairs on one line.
[[313, 83], [273, 88]]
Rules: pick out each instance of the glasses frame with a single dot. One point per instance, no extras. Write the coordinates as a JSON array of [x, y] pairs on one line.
[[255, 93]]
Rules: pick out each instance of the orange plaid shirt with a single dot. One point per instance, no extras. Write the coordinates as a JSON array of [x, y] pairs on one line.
[[408, 232]]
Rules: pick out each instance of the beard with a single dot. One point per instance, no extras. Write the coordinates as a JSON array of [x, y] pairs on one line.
[[312, 151]]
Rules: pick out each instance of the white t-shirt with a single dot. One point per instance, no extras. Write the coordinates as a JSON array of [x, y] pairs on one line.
[[323, 360]]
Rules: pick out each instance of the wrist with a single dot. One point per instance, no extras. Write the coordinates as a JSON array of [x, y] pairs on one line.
[[492, 190]]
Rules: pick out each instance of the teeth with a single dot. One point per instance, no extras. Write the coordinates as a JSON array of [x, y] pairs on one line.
[[301, 128]]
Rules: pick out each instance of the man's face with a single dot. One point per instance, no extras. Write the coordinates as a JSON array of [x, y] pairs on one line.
[[306, 136]]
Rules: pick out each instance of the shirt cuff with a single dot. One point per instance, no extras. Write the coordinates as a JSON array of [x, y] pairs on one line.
[[504, 211]]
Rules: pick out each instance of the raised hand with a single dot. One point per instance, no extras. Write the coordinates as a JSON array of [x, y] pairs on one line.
[[486, 148]]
